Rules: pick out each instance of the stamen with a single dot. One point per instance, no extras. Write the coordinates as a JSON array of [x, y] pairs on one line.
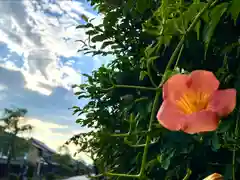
[[192, 102]]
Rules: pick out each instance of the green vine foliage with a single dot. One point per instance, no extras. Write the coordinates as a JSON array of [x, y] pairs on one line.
[[151, 40]]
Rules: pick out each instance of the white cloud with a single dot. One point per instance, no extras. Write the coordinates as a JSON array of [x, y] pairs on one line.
[[41, 41], [3, 87], [29, 29], [44, 125]]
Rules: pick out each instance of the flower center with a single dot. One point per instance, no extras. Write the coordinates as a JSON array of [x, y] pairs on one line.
[[192, 102]]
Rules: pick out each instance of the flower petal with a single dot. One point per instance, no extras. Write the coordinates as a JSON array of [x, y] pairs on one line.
[[202, 121], [175, 86], [203, 81], [223, 102], [214, 176], [169, 116]]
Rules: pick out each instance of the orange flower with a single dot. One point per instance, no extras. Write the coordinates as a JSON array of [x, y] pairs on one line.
[[192, 103], [214, 176]]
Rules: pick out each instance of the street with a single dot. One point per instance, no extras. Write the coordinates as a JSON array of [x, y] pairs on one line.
[[78, 178]]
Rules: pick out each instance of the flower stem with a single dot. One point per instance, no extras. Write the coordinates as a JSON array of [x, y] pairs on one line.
[[234, 149], [233, 164], [189, 172], [128, 134], [144, 158]]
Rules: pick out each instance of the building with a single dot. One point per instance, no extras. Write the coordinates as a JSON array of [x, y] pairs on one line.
[[39, 158]]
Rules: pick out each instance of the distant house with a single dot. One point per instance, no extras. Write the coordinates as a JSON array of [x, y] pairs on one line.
[[33, 152], [38, 150], [42, 156], [38, 155]]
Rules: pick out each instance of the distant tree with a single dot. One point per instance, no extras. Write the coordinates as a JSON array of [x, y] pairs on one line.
[[62, 159], [63, 149], [63, 156], [13, 124]]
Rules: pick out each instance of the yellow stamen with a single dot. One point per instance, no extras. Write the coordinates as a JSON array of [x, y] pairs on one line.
[[192, 102]]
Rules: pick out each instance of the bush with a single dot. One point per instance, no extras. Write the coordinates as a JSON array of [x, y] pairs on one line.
[[13, 176], [50, 176], [152, 40], [30, 171]]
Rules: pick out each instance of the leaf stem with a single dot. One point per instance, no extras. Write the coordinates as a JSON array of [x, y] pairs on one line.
[[122, 175], [179, 56], [150, 75], [128, 134], [133, 87]]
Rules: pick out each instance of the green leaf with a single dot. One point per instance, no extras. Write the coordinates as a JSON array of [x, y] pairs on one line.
[[143, 5], [141, 99], [170, 73], [79, 120], [149, 107], [151, 164], [115, 47], [197, 29], [81, 26], [235, 10], [91, 32], [98, 38], [165, 158], [151, 60], [75, 107], [228, 172], [106, 43], [84, 17], [215, 142], [78, 93], [82, 96], [84, 49], [142, 75], [215, 15], [88, 25], [149, 50], [164, 40], [224, 126], [75, 111]]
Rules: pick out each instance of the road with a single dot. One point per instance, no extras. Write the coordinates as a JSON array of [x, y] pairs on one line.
[[78, 178]]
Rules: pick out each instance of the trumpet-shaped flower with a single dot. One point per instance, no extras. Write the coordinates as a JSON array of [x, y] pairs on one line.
[[214, 176], [192, 103]]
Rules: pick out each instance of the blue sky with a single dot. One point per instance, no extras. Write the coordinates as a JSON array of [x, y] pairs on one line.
[[39, 62]]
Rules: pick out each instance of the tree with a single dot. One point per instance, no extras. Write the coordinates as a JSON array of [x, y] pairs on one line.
[[63, 156], [63, 149], [151, 40], [13, 119], [62, 159]]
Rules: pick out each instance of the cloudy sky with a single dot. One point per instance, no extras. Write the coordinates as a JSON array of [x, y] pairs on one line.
[[39, 62]]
